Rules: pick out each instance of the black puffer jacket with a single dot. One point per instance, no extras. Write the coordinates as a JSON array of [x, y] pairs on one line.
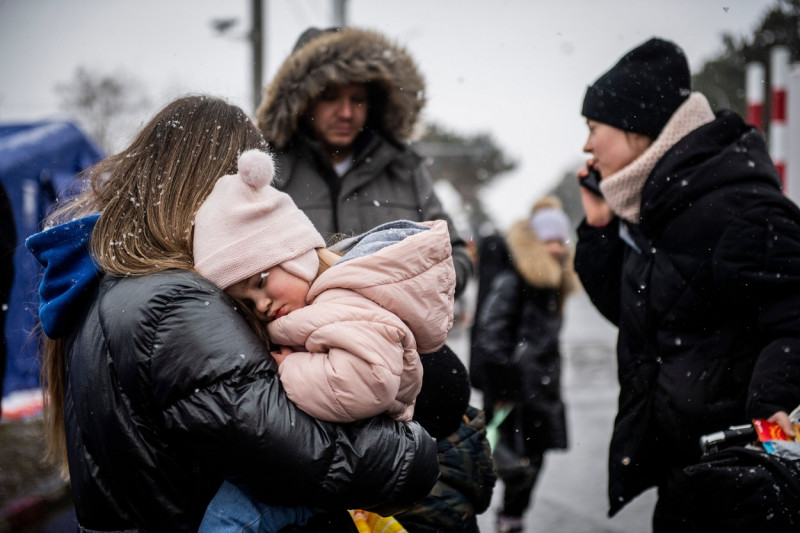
[[169, 391], [706, 294], [517, 337]]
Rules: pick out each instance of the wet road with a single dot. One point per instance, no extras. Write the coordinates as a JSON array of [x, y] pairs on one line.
[[571, 493]]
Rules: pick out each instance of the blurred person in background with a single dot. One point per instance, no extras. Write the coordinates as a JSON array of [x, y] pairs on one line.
[[517, 335]]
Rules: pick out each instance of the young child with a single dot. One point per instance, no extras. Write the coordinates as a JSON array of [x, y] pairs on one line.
[[467, 476], [347, 339]]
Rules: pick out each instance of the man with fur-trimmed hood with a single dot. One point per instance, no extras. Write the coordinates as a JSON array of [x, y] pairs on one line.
[[338, 115]]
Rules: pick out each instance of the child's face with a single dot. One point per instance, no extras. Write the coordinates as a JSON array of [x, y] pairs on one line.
[[271, 295]]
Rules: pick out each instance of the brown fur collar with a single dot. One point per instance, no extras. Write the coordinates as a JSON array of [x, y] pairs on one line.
[[345, 56], [536, 266]]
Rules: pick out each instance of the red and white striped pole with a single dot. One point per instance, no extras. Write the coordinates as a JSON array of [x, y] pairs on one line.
[[779, 66], [754, 94]]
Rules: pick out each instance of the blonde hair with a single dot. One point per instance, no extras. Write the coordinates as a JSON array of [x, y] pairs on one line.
[[327, 258], [549, 201], [148, 195]]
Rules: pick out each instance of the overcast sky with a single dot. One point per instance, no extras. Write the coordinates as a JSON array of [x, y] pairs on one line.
[[516, 69]]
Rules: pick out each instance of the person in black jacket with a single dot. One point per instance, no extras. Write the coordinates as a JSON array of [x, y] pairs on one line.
[[159, 389], [516, 334], [493, 257], [694, 253]]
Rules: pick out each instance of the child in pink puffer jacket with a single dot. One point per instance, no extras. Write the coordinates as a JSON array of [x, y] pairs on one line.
[[347, 330]]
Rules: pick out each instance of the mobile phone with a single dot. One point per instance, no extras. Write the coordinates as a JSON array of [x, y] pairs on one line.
[[592, 182]]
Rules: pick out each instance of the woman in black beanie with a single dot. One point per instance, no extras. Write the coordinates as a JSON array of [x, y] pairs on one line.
[[694, 253]]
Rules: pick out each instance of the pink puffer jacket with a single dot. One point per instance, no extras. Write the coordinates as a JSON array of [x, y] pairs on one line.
[[369, 319]]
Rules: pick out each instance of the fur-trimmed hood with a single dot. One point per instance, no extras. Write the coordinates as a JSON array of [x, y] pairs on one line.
[[347, 55], [532, 260]]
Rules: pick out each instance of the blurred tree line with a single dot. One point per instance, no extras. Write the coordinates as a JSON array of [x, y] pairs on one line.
[[468, 163], [103, 104]]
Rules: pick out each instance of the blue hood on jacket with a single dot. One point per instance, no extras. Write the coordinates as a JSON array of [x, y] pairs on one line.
[[69, 276]]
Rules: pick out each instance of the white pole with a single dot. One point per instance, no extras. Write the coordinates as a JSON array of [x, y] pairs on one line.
[[793, 135], [779, 66], [340, 13]]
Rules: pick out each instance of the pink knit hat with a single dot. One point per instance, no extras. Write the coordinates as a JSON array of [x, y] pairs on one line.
[[246, 226]]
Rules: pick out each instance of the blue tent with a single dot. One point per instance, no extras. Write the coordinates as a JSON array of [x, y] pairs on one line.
[[38, 163]]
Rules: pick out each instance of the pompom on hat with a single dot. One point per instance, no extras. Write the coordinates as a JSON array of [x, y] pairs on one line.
[[643, 90], [246, 227]]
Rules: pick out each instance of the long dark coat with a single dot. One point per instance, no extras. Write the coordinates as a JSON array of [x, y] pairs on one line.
[[706, 294], [516, 337]]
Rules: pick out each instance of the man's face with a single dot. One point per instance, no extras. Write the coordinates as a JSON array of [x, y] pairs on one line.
[[338, 115]]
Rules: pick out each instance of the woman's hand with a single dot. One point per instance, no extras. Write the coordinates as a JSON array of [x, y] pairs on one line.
[[598, 213], [782, 419], [280, 354]]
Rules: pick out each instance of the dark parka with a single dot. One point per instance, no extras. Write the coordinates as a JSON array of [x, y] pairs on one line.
[[517, 337], [387, 180], [706, 294], [168, 391]]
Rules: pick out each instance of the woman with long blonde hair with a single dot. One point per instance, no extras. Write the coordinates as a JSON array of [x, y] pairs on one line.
[[157, 387]]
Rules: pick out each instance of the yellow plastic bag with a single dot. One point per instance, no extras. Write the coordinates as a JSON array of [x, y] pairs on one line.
[[367, 522]]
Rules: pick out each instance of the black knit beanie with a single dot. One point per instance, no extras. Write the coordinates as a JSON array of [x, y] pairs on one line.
[[444, 397], [642, 91]]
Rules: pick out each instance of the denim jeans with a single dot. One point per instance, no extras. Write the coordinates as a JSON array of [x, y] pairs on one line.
[[233, 509]]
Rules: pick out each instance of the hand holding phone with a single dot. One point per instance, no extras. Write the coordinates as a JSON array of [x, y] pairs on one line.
[[591, 182], [598, 212]]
